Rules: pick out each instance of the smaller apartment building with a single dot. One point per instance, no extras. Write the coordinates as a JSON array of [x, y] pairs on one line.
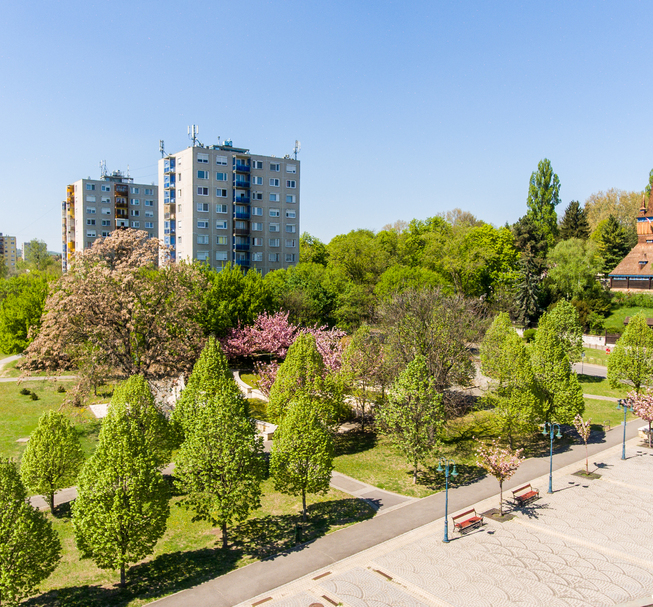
[[8, 252], [221, 204], [95, 207]]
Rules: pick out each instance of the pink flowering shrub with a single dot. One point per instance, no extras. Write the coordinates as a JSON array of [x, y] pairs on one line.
[[642, 405], [271, 334], [268, 374]]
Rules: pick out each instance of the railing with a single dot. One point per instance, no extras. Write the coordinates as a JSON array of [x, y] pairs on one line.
[[243, 168], [242, 247], [242, 184], [242, 262], [241, 198], [242, 214], [241, 231]]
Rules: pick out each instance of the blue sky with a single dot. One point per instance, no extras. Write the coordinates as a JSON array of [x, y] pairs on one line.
[[403, 109]]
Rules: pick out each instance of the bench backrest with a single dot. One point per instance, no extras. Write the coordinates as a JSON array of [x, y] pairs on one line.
[[464, 514], [523, 488]]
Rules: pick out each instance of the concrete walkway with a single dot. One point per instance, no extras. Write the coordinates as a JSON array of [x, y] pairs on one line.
[[264, 576], [382, 501], [587, 369]]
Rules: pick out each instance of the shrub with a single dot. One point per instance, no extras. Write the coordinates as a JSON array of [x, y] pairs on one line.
[[61, 389], [34, 396], [529, 335], [25, 391]]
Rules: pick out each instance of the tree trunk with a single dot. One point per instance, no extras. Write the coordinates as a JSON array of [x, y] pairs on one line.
[[51, 502], [415, 473], [122, 575], [303, 505], [587, 460], [224, 536], [500, 498]]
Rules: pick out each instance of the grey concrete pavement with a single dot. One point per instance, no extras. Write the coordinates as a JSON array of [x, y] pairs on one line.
[[587, 369], [38, 378], [264, 576], [382, 501]]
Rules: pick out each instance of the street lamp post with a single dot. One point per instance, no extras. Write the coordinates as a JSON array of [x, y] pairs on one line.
[[623, 404], [447, 463], [545, 431]]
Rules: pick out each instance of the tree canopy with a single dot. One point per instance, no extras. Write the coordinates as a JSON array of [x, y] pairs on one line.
[[543, 197]]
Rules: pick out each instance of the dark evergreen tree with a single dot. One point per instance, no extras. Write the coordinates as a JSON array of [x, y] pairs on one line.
[[529, 294], [574, 224], [543, 197], [530, 240], [614, 242]]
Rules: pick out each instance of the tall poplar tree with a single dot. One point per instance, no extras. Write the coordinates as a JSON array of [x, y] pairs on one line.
[[543, 197], [53, 457], [29, 547]]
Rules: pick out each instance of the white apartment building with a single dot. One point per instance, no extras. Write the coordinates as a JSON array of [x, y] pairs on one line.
[[95, 207], [8, 252], [221, 204]]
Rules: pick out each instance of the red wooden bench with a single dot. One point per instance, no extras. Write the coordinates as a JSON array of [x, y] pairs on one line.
[[525, 494], [467, 520]]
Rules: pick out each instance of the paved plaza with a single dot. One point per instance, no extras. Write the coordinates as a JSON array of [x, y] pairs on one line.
[[589, 544]]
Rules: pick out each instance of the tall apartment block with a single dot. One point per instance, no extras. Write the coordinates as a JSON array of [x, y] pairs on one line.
[[8, 251], [222, 204], [95, 207]]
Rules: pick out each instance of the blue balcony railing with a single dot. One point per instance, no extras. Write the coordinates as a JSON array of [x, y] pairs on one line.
[[242, 214], [241, 184], [242, 168], [242, 247], [241, 198], [242, 262]]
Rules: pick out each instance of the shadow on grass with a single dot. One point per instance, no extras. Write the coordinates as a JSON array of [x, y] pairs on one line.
[[355, 441], [590, 379], [467, 474], [259, 538], [89, 430]]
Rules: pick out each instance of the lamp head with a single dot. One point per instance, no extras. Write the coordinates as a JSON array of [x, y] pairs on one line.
[[544, 433], [558, 435], [454, 473], [439, 468]]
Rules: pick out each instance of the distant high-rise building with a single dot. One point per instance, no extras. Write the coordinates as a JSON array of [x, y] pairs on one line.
[[8, 251], [222, 204], [95, 207]]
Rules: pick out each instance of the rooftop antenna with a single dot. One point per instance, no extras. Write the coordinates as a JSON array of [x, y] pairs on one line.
[[298, 147], [162, 148], [103, 169], [193, 132], [128, 171]]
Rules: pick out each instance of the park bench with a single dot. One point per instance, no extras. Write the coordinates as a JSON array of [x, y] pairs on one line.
[[525, 494], [467, 520]]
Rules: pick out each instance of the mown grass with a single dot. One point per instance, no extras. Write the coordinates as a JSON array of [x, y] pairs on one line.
[[599, 386], [250, 379], [615, 322], [190, 552], [596, 356], [602, 411]]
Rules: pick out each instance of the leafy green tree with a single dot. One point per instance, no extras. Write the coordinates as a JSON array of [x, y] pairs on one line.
[[29, 547], [123, 500], [400, 278], [37, 255], [53, 457], [312, 250], [623, 205], [220, 464], [631, 361], [563, 320], [574, 222], [413, 414], [543, 197], [613, 241], [302, 452], [560, 396], [210, 375], [358, 255], [575, 264]]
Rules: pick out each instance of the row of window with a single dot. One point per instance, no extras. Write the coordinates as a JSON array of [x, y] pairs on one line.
[[224, 256], [220, 193], [255, 164], [107, 211], [275, 183], [107, 188], [134, 201], [291, 228], [105, 233], [290, 243], [203, 207], [107, 223]]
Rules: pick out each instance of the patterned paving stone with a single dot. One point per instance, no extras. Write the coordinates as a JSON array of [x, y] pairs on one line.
[[301, 600]]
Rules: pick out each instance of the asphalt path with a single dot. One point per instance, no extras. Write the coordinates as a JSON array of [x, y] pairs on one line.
[[587, 369]]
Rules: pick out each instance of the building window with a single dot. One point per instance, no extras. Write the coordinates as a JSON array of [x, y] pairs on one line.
[[221, 225], [202, 224], [258, 242], [149, 213], [90, 187], [274, 227], [291, 214], [221, 193], [257, 256], [202, 191], [149, 225], [136, 224], [275, 166], [274, 197], [257, 195], [135, 191], [291, 228], [257, 180], [274, 182], [221, 255], [203, 175], [221, 240], [291, 168], [291, 243], [90, 222], [274, 242], [221, 176], [105, 234], [90, 233], [90, 199], [105, 188], [202, 255], [106, 200], [241, 225], [274, 213], [202, 207], [135, 212], [148, 191], [106, 222], [221, 160], [291, 183], [291, 198], [257, 211], [179, 208], [148, 203], [257, 164], [203, 239], [290, 257], [203, 158], [273, 257], [220, 208], [90, 210], [106, 211], [257, 227], [135, 202]]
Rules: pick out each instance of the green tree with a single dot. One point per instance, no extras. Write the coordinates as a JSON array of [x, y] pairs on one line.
[[123, 500], [53, 457], [358, 255], [312, 250], [413, 414], [400, 278], [528, 291], [623, 205], [575, 264], [220, 464], [302, 452], [563, 320], [574, 222], [543, 197], [631, 361], [613, 241], [36, 254], [210, 375], [29, 547]]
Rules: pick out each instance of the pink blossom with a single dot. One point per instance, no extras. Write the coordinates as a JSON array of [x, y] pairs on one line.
[[642, 405]]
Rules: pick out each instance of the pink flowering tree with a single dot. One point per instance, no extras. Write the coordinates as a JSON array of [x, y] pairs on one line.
[[584, 429], [329, 344], [642, 405], [271, 335], [500, 463], [268, 374]]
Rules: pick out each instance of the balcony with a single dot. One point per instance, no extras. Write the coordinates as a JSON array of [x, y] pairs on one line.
[[169, 197], [242, 247], [243, 185], [169, 165], [242, 214], [242, 198], [241, 231], [168, 181], [242, 262], [242, 168]]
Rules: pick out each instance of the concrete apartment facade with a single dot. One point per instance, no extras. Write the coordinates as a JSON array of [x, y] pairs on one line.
[[221, 204], [95, 207], [8, 253]]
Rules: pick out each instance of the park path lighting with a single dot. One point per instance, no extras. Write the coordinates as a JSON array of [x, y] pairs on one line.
[[623, 403], [549, 427], [447, 463]]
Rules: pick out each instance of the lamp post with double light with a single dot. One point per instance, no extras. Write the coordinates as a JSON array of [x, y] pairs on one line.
[[622, 403], [549, 427], [445, 469]]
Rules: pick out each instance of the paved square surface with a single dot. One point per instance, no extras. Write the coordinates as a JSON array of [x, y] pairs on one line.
[[589, 544]]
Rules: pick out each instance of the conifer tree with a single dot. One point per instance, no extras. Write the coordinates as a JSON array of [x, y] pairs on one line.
[[53, 457], [29, 547], [574, 222], [220, 465], [413, 414], [122, 505], [613, 242], [302, 452], [631, 361]]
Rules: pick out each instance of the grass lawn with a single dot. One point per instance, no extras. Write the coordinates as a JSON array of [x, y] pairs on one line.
[[250, 379], [599, 386], [19, 415], [615, 322], [258, 409], [602, 411], [10, 370], [595, 356], [189, 553]]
